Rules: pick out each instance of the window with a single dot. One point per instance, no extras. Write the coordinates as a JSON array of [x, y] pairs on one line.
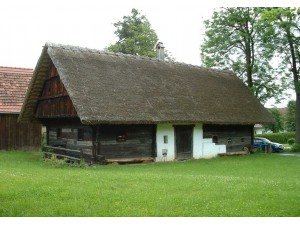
[[242, 139], [80, 134], [166, 139], [215, 139], [58, 133], [229, 140], [257, 141], [122, 137]]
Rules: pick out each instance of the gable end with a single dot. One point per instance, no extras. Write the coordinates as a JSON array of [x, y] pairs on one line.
[[54, 100]]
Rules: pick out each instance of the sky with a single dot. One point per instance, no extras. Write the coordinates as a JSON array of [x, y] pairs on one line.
[[25, 26]]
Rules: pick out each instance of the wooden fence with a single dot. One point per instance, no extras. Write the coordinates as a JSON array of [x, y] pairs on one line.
[[71, 154]]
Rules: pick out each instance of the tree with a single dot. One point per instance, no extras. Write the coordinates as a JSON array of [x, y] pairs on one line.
[[233, 41], [135, 35], [279, 124], [286, 40], [290, 120]]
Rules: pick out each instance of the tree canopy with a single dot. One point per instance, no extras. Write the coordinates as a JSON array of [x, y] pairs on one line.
[[135, 35], [233, 40], [290, 120], [286, 41], [278, 126]]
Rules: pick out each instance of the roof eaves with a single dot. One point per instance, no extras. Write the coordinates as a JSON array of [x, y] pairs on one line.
[[29, 104]]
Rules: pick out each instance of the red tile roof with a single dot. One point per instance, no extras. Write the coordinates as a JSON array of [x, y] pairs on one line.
[[13, 86]]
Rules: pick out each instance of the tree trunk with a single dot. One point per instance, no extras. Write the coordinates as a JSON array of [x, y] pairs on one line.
[[249, 47], [297, 116], [249, 66], [296, 82]]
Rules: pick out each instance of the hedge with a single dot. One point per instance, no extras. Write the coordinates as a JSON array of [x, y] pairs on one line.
[[281, 138]]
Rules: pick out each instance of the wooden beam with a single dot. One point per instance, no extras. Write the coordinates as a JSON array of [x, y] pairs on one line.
[[130, 160], [65, 156], [52, 97], [234, 153], [59, 148]]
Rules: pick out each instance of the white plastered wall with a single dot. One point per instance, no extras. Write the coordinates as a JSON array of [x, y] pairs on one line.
[[197, 141], [210, 149], [202, 148], [161, 131]]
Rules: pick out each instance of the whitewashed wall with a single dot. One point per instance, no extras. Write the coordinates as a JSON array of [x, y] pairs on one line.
[[210, 149], [197, 141], [161, 131], [202, 148]]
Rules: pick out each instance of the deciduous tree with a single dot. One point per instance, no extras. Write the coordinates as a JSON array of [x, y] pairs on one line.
[[135, 35], [286, 41], [290, 120], [233, 41], [278, 126]]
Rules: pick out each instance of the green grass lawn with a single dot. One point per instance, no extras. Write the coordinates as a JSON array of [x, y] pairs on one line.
[[255, 185]]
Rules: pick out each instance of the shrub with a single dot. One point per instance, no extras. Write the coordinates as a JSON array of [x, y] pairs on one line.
[[278, 137], [44, 140], [291, 141], [56, 162], [258, 150], [295, 148]]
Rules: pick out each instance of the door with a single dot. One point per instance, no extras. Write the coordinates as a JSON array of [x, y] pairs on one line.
[[184, 142]]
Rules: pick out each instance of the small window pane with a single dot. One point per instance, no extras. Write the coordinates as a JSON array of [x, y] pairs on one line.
[[80, 134], [166, 139], [215, 139]]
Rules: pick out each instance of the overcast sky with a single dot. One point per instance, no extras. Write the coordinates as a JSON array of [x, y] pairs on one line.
[[25, 25]]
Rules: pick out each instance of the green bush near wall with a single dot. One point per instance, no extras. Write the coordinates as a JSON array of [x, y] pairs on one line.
[[295, 148], [281, 138]]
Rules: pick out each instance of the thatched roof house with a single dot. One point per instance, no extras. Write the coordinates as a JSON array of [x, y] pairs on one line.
[[125, 89], [108, 88]]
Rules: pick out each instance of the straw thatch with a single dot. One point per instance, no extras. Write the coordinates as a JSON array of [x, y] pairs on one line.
[[124, 89]]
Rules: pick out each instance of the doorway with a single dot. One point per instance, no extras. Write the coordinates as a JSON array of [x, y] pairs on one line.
[[184, 141]]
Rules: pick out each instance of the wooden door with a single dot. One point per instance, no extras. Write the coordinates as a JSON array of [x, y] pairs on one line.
[[184, 142]]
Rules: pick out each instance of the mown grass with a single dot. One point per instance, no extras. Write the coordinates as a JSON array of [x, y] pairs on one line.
[[255, 185]]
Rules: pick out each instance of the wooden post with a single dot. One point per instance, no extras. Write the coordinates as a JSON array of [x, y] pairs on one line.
[[94, 143], [81, 155], [269, 148]]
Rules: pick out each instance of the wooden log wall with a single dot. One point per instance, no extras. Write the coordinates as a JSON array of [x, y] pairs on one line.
[[235, 137], [54, 100], [126, 141], [66, 136], [16, 136]]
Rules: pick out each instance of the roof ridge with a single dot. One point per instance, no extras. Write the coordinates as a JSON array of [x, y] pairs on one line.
[[16, 70], [12, 67], [119, 54]]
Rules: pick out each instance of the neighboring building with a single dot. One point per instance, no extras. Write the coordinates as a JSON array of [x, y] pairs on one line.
[[283, 111], [261, 129], [13, 85], [123, 106]]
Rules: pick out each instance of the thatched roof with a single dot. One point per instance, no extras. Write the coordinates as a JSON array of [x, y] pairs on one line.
[[125, 89]]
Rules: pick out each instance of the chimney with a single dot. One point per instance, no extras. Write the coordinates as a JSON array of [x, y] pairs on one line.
[[160, 50]]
